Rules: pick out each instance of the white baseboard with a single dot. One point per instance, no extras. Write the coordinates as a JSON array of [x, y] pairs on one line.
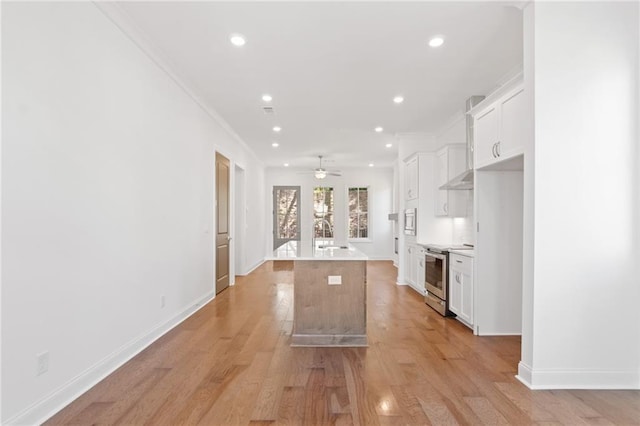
[[578, 379], [253, 268], [46, 407], [417, 289]]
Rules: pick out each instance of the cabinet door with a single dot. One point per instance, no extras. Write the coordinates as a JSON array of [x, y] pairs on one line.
[[420, 271], [442, 177], [410, 262], [466, 302], [512, 124], [486, 136], [411, 177], [455, 290]]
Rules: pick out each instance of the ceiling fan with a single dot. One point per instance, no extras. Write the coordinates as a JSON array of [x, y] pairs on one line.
[[321, 173]]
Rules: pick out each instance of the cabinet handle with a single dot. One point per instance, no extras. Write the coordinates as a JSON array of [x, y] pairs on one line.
[[458, 278], [493, 150], [422, 263], [459, 261], [444, 207], [498, 149]]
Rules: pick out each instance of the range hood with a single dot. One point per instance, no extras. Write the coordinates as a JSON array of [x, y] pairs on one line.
[[465, 179]]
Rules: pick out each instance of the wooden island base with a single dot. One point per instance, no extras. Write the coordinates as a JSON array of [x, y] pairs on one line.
[[329, 315]]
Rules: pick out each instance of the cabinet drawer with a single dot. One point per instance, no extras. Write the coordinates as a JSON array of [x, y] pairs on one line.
[[461, 263]]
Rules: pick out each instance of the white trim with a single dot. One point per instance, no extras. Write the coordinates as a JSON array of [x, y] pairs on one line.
[[498, 333], [524, 374], [417, 289], [1, 216], [254, 267], [578, 378], [46, 407]]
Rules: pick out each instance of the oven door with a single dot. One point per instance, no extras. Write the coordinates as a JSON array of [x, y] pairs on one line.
[[436, 274]]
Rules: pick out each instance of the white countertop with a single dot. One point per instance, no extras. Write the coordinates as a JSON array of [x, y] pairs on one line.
[[468, 253], [302, 250]]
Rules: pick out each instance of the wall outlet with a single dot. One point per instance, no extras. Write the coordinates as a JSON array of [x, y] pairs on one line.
[[335, 279], [162, 301], [42, 363]]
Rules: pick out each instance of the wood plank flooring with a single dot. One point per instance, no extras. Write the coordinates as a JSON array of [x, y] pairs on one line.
[[231, 364]]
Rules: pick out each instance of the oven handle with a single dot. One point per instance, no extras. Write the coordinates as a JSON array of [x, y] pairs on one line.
[[436, 255]]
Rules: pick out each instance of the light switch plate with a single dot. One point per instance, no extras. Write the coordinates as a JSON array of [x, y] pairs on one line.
[[335, 279]]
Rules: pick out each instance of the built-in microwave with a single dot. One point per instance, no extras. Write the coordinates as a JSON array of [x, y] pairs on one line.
[[410, 221]]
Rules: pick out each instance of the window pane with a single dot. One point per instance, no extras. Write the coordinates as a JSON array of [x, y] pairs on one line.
[[358, 212], [323, 212], [287, 214]]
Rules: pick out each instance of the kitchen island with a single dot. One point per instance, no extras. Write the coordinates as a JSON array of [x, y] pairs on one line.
[[329, 293]]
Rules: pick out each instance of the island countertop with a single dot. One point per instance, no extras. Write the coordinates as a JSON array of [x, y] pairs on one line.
[[322, 250]]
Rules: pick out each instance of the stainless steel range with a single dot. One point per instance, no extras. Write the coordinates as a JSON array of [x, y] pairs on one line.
[[437, 276]]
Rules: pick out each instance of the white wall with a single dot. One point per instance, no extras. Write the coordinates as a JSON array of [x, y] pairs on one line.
[[585, 325], [380, 183], [107, 202]]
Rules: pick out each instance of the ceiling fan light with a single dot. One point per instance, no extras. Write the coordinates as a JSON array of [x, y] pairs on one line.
[[320, 174]]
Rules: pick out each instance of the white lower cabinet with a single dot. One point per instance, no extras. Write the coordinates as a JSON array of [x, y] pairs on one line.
[[461, 287], [414, 275], [420, 271]]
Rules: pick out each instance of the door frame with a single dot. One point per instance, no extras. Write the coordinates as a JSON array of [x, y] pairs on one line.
[[232, 215], [229, 223], [238, 221]]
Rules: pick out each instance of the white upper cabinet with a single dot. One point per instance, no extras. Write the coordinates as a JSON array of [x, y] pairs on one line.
[[411, 179], [450, 162], [500, 129], [486, 136], [512, 122]]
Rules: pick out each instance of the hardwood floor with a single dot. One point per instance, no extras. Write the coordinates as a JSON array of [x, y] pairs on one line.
[[231, 364]]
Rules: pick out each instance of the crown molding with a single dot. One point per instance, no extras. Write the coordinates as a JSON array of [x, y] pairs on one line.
[[121, 19]]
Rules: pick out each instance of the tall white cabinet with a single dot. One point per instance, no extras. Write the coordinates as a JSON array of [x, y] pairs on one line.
[[501, 126], [420, 177]]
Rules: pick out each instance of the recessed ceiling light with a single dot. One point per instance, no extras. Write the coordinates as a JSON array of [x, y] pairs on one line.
[[267, 98], [237, 40], [389, 145], [436, 41], [378, 129], [286, 164], [277, 128], [398, 99], [275, 144], [370, 164]]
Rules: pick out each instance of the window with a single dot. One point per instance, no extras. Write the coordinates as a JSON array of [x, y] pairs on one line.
[[285, 215], [323, 212], [358, 212]]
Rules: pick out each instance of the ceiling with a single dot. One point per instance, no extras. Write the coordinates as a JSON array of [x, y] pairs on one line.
[[333, 69]]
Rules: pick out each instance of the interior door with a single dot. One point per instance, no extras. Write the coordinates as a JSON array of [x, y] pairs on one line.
[[222, 223], [286, 218]]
